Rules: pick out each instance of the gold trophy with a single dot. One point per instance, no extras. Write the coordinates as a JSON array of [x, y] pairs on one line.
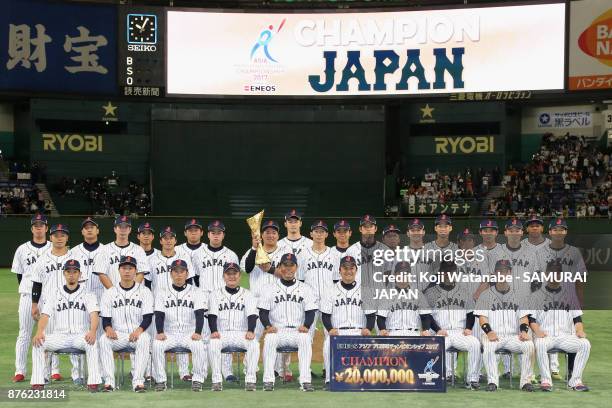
[[255, 225]]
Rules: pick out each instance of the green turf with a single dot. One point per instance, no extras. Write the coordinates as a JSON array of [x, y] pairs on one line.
[[597, 376]]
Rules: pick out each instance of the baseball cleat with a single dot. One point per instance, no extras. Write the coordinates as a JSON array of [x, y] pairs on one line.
[[482, 378], [108, 388], [546, 387], [186, 378], [276, 374], [491, 387], [250, 387], [93, 388], [160, 386], [507, 375], [450, 378], [556, 375], [196, 386], [18, 378], [56, 377], [527, 387], [78, 381], [268, 386], [580, 388], [474, 385], [231, 378], [38, 387], [140, 388], [307, 387], [288, 377], [216, 387]]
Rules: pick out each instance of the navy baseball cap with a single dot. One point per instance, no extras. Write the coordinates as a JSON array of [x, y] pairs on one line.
[[72, 264], [488, 224], [123, 219], [289, 258], [443, 218], [216, 225], [293, 213], [514, 223], [88, 220], [342, 224], [557, 222], [416, 223], [178, 263], [145, 226], [535, 219], [367, 219], [59, 228], [402, 266], [231, 266], [466, 234], [348, 260], [391, 228], [503, 263], [270, 224], [319, 224], [167, 230], [193, 223], [128, 260], [38, 218]]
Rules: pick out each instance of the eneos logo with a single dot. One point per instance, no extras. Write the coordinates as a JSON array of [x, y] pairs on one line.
[[596, 40], [264, 40]]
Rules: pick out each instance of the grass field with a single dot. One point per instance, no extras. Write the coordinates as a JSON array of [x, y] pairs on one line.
[[597, 376]]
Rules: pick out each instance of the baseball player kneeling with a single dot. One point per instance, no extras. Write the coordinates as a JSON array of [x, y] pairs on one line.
[[556, 320], [232, 318], [74, 313], [127, 312], [287, 310], [506, 326], [179, 320], [341, 310]]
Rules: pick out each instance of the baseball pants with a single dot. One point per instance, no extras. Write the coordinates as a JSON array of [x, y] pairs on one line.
[[569, 343], [470, 344], [326, 343], [513, 344], [233, 339], [198, 354], [141, 356], [24, 338], [54, 342], [52, 362], [287, 337]]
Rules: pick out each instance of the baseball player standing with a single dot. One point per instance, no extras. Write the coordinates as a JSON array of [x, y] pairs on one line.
[[416, 253], [491, 250], [441, 248], [146, 236], [122, 247], [294, 238], [74, 312], [90, 253], [341, 309], [556, 320], [391, 236], [23, 266], [506, 326], [521, 256], [342, 234], [127, 313], [316, 263], [232, 317], [179, 321], [287, 310], [452, 308], [193, 233], [535, 237]]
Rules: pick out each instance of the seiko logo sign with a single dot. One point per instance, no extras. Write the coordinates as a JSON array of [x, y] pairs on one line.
[[142, 47]]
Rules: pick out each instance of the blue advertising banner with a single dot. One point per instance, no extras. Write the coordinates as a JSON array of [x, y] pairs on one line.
[[390, 363], [54, 47]]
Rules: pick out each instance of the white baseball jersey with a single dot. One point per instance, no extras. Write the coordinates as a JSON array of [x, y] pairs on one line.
[[190, 249], [337, 253], [180, 307], [365, 256], [232, 310], [92, 263], [492, 255], [523, 262], [406, 314], [450, 305], [420, 267], [159, 264], [473, 268], [24, 261], [298, 245], [344, 306], [434, 254], [287, 304], [208, 265], [150, 254], [49, 270], [317, 270], [126, 307], [570, 257], [554, 310], [70, 311], [113, 257], [259, 279], [545, 243], [501, 309]]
